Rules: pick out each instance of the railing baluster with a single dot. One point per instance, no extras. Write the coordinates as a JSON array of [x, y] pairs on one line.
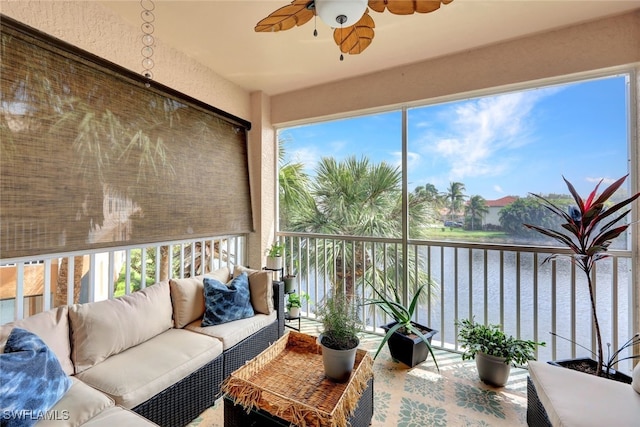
[[70, 270], [442, 295], [110, 279], [518, 295], [127, 274], [46, 297], [502, 294], [485, 266], [143, 268], [19, 303], [535, 301], [554, 317], [614, 303], [470, 278]]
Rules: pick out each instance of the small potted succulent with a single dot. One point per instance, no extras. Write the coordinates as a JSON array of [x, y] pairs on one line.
[[339, 338], [493, 351]]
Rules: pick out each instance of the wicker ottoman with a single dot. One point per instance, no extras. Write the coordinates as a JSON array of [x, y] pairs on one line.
[[285, 385]]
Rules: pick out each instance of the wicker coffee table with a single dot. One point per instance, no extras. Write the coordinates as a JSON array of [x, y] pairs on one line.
[[285, 385]]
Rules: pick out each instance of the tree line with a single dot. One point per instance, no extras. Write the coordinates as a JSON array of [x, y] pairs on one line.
[[357, 197]]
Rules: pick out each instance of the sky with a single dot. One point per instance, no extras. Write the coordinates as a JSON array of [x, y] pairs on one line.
[[509, 144]]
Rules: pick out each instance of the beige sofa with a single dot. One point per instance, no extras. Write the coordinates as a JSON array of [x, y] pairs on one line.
[[146, 353]]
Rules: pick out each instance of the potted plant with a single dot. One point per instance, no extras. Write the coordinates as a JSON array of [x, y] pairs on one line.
[[588, 230], [408, 341], [339, 338], [290, 281], [493, 351], [294, 302], [274, 256]]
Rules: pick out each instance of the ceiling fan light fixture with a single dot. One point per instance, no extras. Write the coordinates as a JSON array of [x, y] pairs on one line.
[[340, 13]]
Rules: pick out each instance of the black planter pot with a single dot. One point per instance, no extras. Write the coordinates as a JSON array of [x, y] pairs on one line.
[[589, 366], [409, 349]]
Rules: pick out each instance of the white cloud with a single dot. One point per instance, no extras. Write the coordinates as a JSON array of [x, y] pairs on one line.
[[605, 181], [498, 189], [309, 156], [481, 133], [414, 160]]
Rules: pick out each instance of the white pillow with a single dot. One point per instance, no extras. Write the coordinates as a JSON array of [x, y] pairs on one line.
[[635, 383]]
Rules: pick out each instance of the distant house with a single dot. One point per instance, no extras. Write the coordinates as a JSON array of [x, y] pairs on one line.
[[495, 206]]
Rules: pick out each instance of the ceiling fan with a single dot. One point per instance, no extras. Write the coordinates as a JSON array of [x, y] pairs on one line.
[[353, 26]]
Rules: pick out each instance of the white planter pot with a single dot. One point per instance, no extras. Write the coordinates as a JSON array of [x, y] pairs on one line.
[[274, 263], [492, 370], [294, 312]]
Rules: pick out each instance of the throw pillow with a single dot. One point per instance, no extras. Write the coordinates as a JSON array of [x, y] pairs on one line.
[[187, 296], [635, 382], [224, 303], [260, 283], [31, 379]]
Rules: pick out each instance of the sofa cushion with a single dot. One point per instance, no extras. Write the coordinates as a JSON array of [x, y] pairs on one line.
[[118, 416], [139, 373], [232, 333], [52, 326], [31, 378], [635, 379], [573, 398], [79, 405], [187, 296], [104, 328], [226, 302], [261, 288]]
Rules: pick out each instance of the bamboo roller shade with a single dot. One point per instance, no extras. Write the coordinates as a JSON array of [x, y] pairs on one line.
[[91, 158]]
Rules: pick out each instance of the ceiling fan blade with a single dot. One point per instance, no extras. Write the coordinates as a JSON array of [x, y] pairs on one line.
[[287, 17], [404, 7], [356, 38]]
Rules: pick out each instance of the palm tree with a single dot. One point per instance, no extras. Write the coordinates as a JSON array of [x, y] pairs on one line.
[[475, 210], [293, 186], [454, 197], [358, 198], [428, 192]]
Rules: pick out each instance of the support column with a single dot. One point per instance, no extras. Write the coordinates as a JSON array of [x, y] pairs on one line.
[[262, 152]]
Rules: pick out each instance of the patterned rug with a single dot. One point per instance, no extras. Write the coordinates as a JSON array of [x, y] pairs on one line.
[[422, 396]]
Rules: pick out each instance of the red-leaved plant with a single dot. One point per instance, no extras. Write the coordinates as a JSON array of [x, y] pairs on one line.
[[591, 226]]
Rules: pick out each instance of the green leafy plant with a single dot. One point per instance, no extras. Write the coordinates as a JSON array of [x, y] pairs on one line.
[[276, 250], [590, 227], [295, 300], [340, 321], [491, 340], [402, 316]]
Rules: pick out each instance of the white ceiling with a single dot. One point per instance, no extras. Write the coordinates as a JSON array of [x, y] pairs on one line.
[[220, 35]]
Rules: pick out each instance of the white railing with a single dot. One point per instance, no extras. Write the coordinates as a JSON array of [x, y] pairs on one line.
[[507, 285], [31, 285]]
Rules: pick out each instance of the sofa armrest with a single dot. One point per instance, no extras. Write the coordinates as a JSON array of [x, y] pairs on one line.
[[278, 304]]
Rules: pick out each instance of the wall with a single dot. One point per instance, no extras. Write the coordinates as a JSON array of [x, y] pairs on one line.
[[596, 45], [96, 29]]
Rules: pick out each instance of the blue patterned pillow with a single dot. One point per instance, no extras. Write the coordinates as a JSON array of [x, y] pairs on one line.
[[31, 379], [224, 303]]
